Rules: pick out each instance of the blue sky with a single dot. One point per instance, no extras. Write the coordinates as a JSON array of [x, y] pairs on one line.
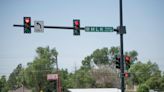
[[143, 19]]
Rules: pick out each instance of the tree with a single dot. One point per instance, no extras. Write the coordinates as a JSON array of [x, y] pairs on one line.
[[85, 75], [143, 88], [142, 72], [161, 87], [105, 77], [87, 62], [153, 82], [97, 70], [147, 74], [100, 56], [3, 84], [64, 75], [16, 77], [101, 66], [43, 64], [83, 78]]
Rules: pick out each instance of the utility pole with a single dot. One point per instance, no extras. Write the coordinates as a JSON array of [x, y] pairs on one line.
[[58, 80]]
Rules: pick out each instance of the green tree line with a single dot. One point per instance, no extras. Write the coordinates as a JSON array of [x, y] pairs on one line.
[[97, 71]]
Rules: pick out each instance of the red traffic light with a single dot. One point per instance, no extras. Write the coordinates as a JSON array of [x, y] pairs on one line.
[[127, 58], [128, 62], [27, 20], [77, 23], [27, 24], [126, 74]]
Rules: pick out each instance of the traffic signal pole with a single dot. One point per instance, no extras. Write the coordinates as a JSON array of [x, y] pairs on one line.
[[54, 27], [121, 48], [120, 30]]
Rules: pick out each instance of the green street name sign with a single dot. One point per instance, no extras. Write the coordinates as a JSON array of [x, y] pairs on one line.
[[98, 29]]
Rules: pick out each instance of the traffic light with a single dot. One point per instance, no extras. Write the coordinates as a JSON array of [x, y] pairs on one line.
[[76, 25], [117, 62], [126, 74], [128, 62], [27, 24]]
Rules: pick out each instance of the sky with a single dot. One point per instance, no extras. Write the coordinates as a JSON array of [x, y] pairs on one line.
[[144, 21]]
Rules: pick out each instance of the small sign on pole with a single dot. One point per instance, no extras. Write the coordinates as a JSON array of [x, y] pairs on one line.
[[38, 26], [52, 77]]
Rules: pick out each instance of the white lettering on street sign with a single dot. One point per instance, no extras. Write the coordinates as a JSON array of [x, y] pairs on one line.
[[98, 29]]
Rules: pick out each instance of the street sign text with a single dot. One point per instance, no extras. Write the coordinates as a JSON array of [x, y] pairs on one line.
[[98, 29]]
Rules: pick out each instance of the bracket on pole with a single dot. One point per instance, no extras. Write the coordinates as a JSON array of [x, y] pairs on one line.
[[121, 30]]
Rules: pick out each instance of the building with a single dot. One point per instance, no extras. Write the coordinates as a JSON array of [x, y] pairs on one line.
[[95, 90]]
